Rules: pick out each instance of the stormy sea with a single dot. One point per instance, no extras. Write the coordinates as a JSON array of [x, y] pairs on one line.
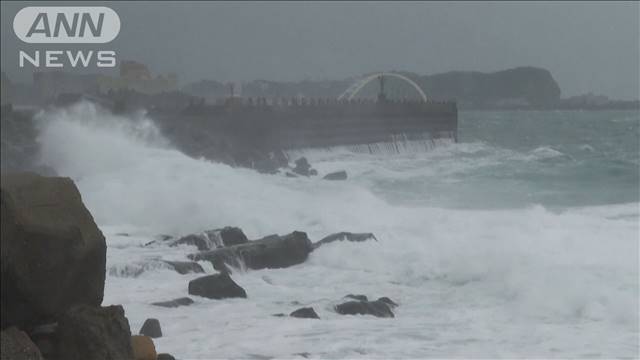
[[521, 240]]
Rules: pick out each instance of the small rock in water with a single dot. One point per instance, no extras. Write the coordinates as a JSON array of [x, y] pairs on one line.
[[302, 167], [388, 301], [269, 252], [151, 328], [183, 301], [185, 267], [376, 308], [305, 313], [338, 175], [211, 239], [217, 286], [345, 236], [357, 297], [165, 356]]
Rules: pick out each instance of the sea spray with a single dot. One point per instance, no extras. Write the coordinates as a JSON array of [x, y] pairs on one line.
[[472, 278]]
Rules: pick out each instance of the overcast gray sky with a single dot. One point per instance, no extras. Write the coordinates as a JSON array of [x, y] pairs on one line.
[[588, 46]]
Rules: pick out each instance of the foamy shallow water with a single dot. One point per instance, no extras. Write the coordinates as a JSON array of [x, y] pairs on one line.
[[490, 272]]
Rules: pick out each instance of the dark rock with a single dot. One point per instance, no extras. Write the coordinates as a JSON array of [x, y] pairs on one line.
[[388, 301], [270, 252], [357, 297], [185, 267], [279, 315], [302, 167], [338, 175], [291, 175], [183, 301], [212, 239], [376, 308], [165, 356], [313, 172], [305, 313], [151, 328], [53, 254], [217, 286], [97, 333], [45, 338], [16, 345], [305, 355], [345, 236]]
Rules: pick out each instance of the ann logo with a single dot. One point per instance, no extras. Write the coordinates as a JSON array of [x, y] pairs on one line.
[[41, 25], [66, 24]]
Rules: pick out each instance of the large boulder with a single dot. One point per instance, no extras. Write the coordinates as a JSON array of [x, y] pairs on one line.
[[143, 348], [212, 239], [217, 286], [345, 236], [97, 333], [16, 345], [273, 251], [52, 253]]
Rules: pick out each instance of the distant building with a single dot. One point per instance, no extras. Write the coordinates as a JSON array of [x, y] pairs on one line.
[[136, 76]]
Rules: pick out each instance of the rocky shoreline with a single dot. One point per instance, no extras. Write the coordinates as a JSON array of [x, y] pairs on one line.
[[53, 263]]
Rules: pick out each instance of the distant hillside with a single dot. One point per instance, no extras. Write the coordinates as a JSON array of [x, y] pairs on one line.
[[521, 86], [513, 88]]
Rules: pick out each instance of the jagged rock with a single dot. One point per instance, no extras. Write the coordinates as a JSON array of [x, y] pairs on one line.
[[183, 301], [53, 254], [217, 286], [16, 345], [272, 251], [165, 356], [376, 308], [97, 333], [357, 297], [302, 167], [143, 348], [305, 313], [185, 267], [338, 175], [388, 301], [151, 328], [212, 239], [345, 236]]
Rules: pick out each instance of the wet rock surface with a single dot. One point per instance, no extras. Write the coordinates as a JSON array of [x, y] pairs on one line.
[[185, 267], [338, 175], [212, 239], [305, 313], [16, 345], [151, 328], [217, 286], [270, 252], [97, 333], [183, 301], [378, 308], [53, 254], [345, 236]]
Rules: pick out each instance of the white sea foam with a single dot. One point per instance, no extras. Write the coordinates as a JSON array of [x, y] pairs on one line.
[[525, 282]]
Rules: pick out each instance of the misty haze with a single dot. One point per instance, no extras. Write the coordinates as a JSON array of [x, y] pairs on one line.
[[320, 180]]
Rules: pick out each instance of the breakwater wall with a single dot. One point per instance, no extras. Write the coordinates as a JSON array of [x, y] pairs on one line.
[[280, 126]]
